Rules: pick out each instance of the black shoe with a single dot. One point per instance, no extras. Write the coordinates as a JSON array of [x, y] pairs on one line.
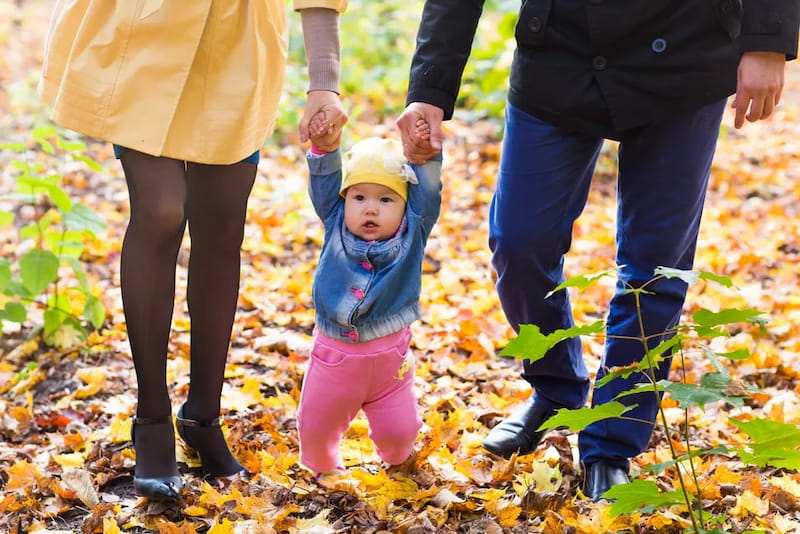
[[519, 433], [599, 477], [207, 439], [165, 487]]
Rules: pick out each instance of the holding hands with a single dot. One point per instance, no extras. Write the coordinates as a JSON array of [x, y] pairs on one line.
[[416, 148], [325, 110]]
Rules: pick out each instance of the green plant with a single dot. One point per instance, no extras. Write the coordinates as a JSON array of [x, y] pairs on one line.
[[48, 231], [770, 442]]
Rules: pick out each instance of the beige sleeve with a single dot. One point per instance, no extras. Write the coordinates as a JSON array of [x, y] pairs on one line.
[[321, 37], [337, 5]]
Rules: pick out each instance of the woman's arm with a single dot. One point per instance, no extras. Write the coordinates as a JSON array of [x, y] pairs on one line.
[[321, 38]]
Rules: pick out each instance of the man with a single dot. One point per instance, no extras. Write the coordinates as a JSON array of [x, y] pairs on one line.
[[653, 75]]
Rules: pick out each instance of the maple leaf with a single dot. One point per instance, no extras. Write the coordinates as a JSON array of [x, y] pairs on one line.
[[749, 504], [21, 475], [505, 511]]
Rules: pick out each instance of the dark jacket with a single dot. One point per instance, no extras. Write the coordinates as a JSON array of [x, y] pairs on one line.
[[606, 66]]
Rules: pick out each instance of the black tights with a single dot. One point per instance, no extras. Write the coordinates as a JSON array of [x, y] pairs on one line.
[[165, 195]]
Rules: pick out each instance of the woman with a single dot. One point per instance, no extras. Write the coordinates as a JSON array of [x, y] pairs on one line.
[[187, 92]]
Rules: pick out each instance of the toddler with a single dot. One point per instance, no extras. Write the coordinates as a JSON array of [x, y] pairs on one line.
[[366, 295]]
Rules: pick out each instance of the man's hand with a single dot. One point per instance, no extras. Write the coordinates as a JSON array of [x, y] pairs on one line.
[[759, 87], [328, 103], [416, 149]]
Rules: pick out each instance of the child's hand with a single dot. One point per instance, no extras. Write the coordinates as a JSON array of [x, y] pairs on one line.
[[422, 134], [318, 127]]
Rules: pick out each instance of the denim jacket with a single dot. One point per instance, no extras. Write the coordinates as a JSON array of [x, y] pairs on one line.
[[368, 289]]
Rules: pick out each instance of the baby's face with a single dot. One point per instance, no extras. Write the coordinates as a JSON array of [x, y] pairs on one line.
[[373, 212]]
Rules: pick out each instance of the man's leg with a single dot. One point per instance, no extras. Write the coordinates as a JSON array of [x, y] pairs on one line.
[[663, 174], [543, 183]]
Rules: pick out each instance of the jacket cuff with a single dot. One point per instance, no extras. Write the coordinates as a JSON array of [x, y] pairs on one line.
[[324, 164], [431, 95], [767, 43]]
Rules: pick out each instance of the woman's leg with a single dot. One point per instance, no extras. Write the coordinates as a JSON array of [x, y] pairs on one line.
[[157, 191], [216, 208]]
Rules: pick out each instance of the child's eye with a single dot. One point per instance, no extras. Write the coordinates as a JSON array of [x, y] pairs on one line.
[[386, 199], [360, 198]]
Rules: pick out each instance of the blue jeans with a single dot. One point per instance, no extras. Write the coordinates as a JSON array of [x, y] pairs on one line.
[[253, 158], [542, 187]]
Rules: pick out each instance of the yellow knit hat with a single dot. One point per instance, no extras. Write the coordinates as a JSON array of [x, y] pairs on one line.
[[375, 160]]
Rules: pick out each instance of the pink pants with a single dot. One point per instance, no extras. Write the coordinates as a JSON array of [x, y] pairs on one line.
[[342, 378]]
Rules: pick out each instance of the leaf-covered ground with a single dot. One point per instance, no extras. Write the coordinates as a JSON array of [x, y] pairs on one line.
[[66, 461]]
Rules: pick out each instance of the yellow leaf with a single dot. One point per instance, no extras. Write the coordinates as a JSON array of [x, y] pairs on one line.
[[110, 526], [21, 475], [92, 375], [74, 459], [65, 337], [251, 387], [195, 511], [87, 391], [120, 430], [787, 484], [749, 504], [505, 512], [224, 527]]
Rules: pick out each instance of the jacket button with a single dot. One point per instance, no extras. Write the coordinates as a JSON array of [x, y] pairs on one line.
[[535, 24], [659, 45], [599, 63]]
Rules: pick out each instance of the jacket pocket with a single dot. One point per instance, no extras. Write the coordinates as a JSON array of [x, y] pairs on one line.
[[729, 15], [532, 22]]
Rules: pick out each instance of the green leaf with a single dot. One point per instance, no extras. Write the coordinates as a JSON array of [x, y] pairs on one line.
[[583, 281], [713, 357], [81, 218], [5, 274], [640, 495], [580, 418], [772, 443], [38, 269], [94, 311], [58, 197], [688, 276], [708, 318], [65, 244], [14, 147], [694, 395], [718, 381], [720, 279], [40, 134], [530, 344], [53, 318], [6, 217], [651, 360], [742, 354], [14, 312], [89, 162], [80, 274], [644, 387]]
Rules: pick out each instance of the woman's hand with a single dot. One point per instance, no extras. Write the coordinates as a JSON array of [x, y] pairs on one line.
[[330, 104]]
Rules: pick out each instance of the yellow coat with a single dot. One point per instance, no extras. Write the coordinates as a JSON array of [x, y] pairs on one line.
[[197, 80]]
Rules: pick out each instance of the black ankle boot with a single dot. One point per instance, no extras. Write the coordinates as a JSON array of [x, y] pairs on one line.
[[160, 488], [520, 432], [207, 439]]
